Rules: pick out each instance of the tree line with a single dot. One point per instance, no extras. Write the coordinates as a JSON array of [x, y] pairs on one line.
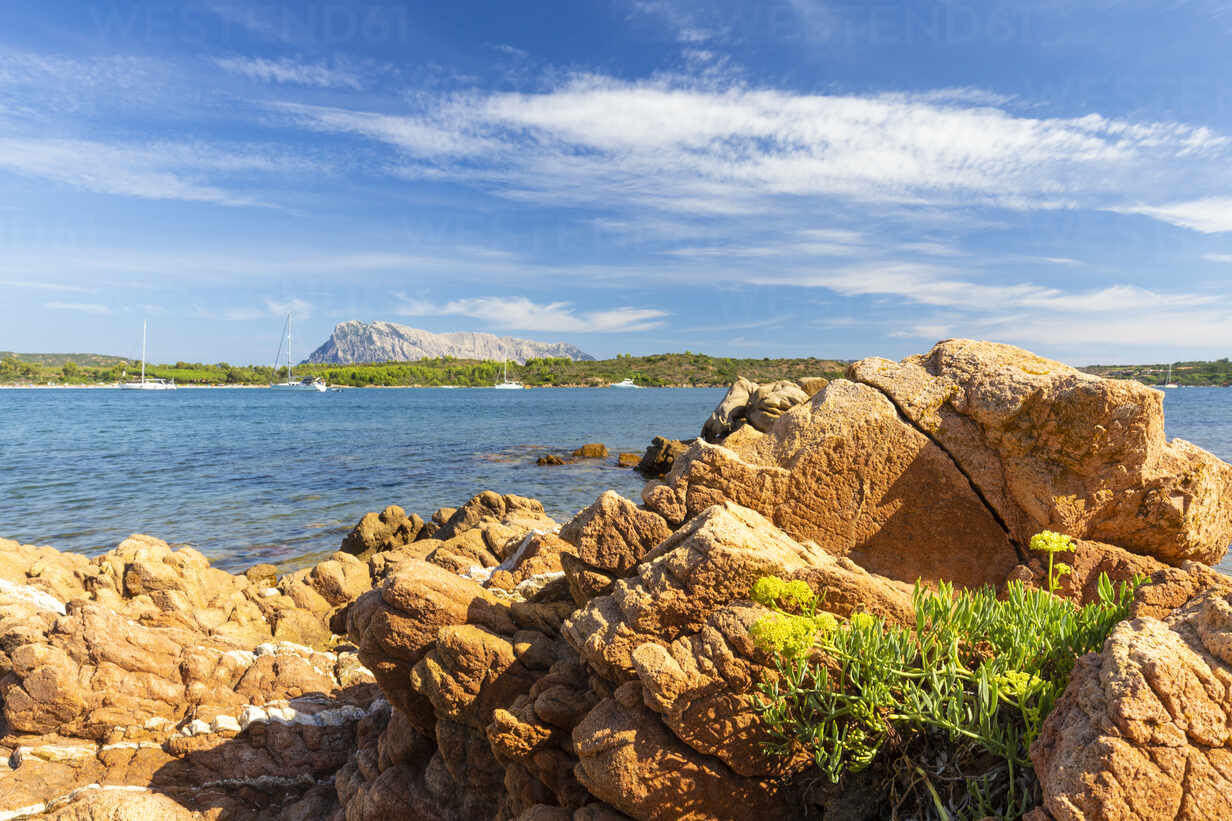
[[657, 370]]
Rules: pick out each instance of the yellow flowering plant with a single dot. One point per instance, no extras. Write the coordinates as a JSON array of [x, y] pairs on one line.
[[975, 675], [1053, 543]]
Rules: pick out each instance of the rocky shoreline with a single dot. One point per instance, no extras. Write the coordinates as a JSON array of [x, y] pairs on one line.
[[492, 663]]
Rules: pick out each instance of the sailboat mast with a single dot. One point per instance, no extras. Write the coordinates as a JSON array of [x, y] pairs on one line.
[[289, 374], [144, 323]]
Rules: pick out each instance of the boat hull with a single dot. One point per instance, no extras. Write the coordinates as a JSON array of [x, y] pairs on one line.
[[316, 387], [146, 386]]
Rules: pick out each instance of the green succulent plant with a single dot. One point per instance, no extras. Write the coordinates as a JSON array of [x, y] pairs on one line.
[[976, 674]]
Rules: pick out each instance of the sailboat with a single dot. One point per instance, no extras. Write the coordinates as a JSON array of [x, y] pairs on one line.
[[1170, 383], [506, 385], [308, 383], [624, 383], [147, 384]]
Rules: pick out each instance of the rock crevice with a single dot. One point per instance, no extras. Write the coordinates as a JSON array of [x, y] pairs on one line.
[[975, 487]]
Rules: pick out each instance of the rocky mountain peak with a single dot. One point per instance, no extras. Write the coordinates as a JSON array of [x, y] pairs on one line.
[[355, 341]]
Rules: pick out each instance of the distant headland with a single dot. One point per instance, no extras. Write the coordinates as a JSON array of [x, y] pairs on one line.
[[341, 361], [355, 342], [686, 369]]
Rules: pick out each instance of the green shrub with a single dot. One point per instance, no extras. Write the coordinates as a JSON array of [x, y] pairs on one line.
[[950, 704]]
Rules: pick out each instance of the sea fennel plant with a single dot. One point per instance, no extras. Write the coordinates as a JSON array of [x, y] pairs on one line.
[[950, 704]]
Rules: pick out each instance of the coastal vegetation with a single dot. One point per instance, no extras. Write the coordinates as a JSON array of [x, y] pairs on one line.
[[658, 370], [686, 369], [975, 676], [1216, 373]]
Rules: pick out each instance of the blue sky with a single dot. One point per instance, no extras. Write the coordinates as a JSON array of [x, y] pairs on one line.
[[792, 177]]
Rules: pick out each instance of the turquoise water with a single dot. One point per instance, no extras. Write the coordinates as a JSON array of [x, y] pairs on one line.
[[251, 476]]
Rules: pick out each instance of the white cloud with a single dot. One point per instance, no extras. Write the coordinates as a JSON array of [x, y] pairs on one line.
[[929, 248], [817, 17], [1211, 215], [45, 286], [963, 94], [1217, 257], [295, 306], [835, 235], [512, 51], [1150, 329], [930, 285], [519, 313], [160, 171], [290, 72], [673, 145], [925, 331], [680, 20], [435, 137], [54, 75], [83, 307]]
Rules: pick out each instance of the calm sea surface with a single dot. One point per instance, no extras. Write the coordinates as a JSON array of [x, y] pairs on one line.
[[250, 476]]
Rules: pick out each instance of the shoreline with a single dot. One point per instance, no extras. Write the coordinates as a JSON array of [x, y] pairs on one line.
[[470, 387], [522, 644], [715, 386]]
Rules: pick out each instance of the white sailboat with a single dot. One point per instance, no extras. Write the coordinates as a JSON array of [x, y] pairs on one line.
[[624, 383], [1169, 383], [308, 383], [147, 384], [506, 385]]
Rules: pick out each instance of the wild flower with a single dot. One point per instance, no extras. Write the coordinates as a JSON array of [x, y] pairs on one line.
[[825, 623], [785, 636], [862, 621], [777, 594], [1053, 543], [767, 590], [798, 594]]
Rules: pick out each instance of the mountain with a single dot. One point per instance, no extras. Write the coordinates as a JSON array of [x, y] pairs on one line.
[[56, 360], [356, 341]]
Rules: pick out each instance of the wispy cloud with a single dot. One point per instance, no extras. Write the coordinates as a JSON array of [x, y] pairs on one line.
[[511, 51], [736, 325], [519, 313], [818, 20], [295, 306], [56, 77], [158, 171], [1217, 257], [82, 307], [45, 286], [930, 285], [681, 21], [290, 72], [946, 304], [1211, 215], [672, 145], [1207, 329]]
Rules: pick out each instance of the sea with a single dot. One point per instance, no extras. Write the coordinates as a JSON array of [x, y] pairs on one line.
[[249, 475]]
